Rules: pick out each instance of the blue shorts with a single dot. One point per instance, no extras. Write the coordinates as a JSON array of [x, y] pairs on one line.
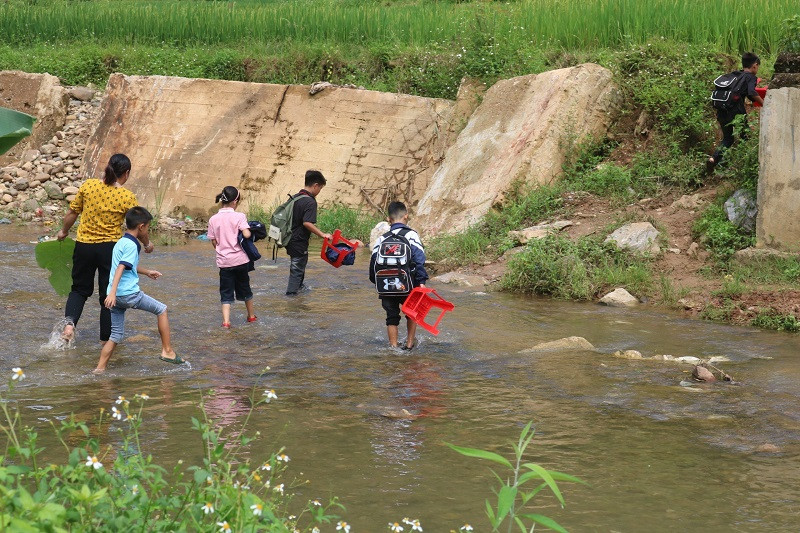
[[137, 300]]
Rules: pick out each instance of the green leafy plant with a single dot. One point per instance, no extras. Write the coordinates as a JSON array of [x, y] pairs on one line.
[[518, 486], [771, 319], [122, 489], [720, 236]]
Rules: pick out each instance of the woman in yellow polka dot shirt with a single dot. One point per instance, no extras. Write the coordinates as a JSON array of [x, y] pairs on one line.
[[102, 205]]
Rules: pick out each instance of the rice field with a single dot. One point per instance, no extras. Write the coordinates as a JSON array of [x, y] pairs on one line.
[[730, 25]]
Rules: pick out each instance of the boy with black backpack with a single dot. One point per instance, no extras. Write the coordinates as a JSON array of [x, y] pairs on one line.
[[397, 265], [303, 223], [728, 97]]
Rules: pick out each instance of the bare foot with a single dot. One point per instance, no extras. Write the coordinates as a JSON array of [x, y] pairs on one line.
[[168, 355], [98, 371], [69, 332]]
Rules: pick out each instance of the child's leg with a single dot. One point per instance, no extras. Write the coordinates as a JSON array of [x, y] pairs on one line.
[[226, 293], [117, 332], [391, 305], [391, 331], [163, 330], [105, 355], [412, 333], [243, 290], [146, 303]]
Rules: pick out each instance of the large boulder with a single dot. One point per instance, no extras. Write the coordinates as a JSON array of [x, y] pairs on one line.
[[40, 95], [188, 138], [517, 133], [778, 219], [639, 237]]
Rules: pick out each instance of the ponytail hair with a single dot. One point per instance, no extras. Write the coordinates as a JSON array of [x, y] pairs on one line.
[[229, 194], [117, 166]]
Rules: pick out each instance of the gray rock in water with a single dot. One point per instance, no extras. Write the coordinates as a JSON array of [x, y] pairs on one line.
[[562, 345], [742, 209], [628, 354], [464, 280], [619, 298], [701, 373], [640, 237]]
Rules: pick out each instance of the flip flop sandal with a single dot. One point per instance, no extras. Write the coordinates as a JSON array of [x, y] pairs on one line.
[[176, 361]]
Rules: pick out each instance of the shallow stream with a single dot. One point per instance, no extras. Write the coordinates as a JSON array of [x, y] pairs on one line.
[[657, 456]]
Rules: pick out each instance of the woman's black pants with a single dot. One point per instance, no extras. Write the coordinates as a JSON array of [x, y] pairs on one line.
[[87, 259]]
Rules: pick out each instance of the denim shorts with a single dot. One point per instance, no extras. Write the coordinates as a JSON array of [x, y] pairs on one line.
[[235, 282], [137, 300]]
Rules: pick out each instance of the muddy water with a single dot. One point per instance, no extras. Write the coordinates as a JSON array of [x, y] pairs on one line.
[[656, 455]]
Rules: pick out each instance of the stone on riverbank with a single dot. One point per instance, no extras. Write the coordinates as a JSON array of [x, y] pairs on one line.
[[539, 231], [463, 280], [742, 209], [562, 345], [619, 298], [639, 237]]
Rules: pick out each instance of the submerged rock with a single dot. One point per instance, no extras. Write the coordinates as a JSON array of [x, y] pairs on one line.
[[701, 373], [628, 354], [562, 345]]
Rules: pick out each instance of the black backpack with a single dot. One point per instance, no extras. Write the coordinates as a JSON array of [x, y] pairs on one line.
[[394, 267], [727, 91]]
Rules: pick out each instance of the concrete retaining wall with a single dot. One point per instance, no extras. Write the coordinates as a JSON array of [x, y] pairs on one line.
[[187, 138], [778, 222]]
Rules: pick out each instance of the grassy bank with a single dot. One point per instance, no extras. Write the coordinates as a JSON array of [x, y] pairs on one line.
[[415, 47], [592, 23]]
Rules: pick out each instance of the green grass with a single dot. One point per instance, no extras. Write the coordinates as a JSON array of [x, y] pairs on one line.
[[488, 239], [731, 24], [353, 223], [580, 270]]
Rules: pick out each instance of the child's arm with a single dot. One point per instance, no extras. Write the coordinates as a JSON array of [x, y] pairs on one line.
[[111, 299], [316, 231], [153, 274], [214, 243]]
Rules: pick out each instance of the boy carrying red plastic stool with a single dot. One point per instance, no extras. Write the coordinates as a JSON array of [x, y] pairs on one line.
[[397, 266]]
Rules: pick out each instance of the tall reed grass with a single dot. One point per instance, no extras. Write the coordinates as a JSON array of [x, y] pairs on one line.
[[730, 24]]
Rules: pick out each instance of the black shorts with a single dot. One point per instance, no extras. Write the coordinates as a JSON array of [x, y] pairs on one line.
[[235, 281], [392, 306]]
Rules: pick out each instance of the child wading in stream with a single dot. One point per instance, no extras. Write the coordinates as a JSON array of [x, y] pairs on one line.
[[397, 266], [123, 289], [232, 260]]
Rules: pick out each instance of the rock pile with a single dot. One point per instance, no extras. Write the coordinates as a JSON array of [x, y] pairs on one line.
[[45, 179]]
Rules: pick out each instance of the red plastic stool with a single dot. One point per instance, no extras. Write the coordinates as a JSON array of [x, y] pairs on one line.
[[335, 254], [762, 92], [421, 300]]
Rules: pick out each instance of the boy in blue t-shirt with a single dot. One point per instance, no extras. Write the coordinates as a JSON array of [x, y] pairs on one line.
[[123, 289]]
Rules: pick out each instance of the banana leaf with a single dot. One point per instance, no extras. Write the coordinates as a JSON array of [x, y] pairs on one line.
[[14, 126], [56, 256]]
